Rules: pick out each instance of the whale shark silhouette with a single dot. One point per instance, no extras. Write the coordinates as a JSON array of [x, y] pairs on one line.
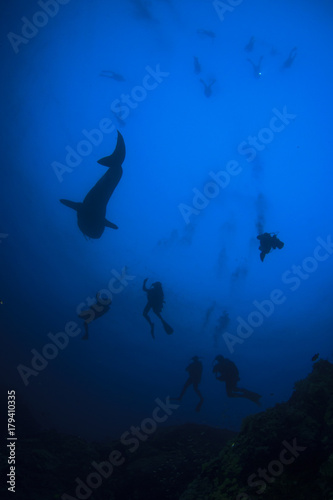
[[91, 212]]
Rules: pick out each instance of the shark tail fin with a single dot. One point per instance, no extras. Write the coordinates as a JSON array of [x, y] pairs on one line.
[[71, 204], [118, 155]]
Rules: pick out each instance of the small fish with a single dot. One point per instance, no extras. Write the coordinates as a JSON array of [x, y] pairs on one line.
[[292, 54], [315, 357], [209, 34], [113, 75]]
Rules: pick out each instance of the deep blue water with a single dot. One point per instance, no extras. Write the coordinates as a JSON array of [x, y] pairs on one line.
[[206, 256]]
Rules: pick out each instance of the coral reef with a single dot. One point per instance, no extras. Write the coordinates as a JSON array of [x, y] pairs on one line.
[[284, 453]]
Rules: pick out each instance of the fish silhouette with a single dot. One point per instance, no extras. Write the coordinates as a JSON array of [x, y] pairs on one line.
[[91, 212]]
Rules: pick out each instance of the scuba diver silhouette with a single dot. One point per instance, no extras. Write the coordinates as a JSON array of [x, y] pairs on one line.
[[268, 241], [95, 311], [194, 370], [290, 59], [155, 302], [207, 88], [226, 371], [221, 327], [256, 67], [249, 46], [197, 66]]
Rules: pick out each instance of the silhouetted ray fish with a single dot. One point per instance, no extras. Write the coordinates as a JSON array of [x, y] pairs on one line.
[[91, 213]]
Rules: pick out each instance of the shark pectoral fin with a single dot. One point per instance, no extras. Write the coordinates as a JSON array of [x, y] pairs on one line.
[[71, 204], [110, 224]]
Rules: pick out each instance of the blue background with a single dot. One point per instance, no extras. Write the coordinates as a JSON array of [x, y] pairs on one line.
[[51, 91]]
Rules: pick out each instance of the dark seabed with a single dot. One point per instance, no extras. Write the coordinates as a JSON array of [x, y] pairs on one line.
[[223, 111]]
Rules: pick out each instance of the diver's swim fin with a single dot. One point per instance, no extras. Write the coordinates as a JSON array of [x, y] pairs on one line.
[[75, 205], [198, 407], [252, 396], [118, 155], [167, 327], [110, 224]]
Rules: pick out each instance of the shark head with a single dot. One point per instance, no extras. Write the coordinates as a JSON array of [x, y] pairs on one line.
[[93, 223], [90, 226]]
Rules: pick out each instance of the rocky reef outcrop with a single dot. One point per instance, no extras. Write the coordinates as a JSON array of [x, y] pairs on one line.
[[284, 453]]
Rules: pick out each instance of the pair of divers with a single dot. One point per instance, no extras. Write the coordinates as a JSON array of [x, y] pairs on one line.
[[155, 301], [225, 371], [268, 242], [207, 86]]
